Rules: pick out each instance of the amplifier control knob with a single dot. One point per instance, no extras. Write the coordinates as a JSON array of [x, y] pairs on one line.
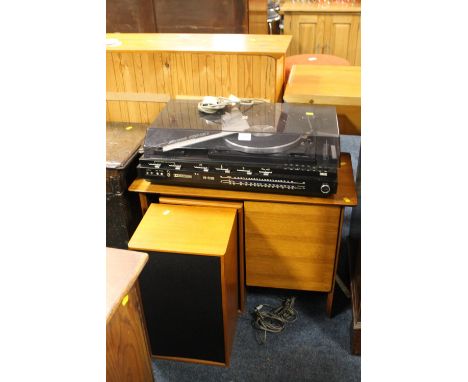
[[325, 188]]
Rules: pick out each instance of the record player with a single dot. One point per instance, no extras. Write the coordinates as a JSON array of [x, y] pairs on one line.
[[265, 147]]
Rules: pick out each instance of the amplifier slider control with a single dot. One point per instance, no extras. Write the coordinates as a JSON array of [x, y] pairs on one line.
[[175, 166], [248, 172], [265, 171], [226, 170], [205, 169]]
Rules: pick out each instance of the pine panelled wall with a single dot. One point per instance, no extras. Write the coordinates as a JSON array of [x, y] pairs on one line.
[[140, 82]]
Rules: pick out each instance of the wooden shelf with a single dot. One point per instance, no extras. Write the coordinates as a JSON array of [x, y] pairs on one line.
[[271, 45]]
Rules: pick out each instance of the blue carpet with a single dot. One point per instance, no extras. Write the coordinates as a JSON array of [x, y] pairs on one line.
[[313, 348]]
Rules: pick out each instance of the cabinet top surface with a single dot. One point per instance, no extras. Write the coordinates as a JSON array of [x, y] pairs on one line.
[[193, 230], [273, 45], [345, 196], [298, 6], [122, 269], [324, 85]]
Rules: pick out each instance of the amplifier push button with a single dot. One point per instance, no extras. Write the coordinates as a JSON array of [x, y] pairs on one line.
[[325, 188]]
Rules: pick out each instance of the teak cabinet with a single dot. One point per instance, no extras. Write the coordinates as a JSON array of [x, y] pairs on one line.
[[289, 241], [291, 246], [324, 31]]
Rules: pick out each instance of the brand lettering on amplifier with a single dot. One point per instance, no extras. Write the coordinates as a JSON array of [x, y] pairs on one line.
[[182, 176]]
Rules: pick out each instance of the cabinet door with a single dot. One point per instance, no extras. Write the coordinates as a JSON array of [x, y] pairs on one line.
[[291, 246], [308, 33], [341, 36]]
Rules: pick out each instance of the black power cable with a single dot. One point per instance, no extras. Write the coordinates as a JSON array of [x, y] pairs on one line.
[[271, 319]]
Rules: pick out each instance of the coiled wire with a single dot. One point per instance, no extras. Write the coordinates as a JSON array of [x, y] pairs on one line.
[[266, 318]]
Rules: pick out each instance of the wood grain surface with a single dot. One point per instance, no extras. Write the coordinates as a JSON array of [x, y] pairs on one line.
[[127, 351], [345, 196], [324, 85], [297, 6], [139, 83], [334, 85], [122, 270], [324, 29], [271, 45], [201, 16], [130, 16], [230, 287], [258, 17], [181, 229], [290, 246]]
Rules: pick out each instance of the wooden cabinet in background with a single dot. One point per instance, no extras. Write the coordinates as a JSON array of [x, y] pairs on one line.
[[182, 16], [327, 30], [308, 31], [130, 16], [342, 36], [258, 17], [201, 16]]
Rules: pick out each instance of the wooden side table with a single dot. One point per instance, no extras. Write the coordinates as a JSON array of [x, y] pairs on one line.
[[336, 85], [290, 241], [127, 351]]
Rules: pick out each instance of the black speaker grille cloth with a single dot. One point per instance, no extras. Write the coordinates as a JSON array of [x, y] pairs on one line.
[[182, 303]]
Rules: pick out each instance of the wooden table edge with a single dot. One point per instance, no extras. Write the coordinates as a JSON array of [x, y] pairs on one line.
[[131, 281]]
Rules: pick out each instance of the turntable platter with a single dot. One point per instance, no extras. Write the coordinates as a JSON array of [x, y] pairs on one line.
[[262, 142]]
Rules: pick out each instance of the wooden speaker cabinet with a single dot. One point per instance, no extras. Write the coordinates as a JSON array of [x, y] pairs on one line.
[[189, 287]]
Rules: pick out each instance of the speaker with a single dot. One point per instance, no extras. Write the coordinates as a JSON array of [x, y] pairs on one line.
[[189, 287]]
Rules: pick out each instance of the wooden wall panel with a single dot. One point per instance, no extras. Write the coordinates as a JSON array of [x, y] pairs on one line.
[[258, 17], [165, 75], [130, 16], [201, 16]]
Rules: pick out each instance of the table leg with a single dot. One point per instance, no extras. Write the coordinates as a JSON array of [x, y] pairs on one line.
[[143, 202], [331, 294]]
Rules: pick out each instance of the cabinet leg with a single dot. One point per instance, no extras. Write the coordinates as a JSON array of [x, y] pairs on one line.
[[143, 203], [330, 296]]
